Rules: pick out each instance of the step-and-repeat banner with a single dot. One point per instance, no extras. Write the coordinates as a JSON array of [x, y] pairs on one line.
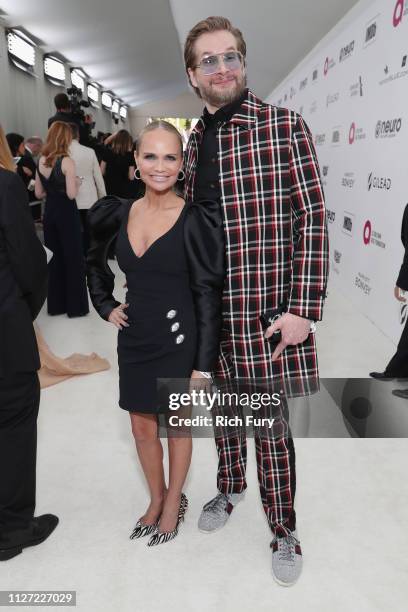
[[353, 93]]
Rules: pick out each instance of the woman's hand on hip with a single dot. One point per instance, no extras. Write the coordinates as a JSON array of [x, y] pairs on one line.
[[118, 318]]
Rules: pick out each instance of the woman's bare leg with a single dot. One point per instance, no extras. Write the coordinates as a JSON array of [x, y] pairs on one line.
[[150, 452], [180, 450]]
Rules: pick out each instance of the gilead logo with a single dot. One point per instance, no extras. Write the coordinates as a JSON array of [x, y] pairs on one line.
[[398, 13], [367, 232], [352, 133]]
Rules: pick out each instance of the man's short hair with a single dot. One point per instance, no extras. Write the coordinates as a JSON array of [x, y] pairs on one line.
[[61, 100], [211, 24], [75, 130]]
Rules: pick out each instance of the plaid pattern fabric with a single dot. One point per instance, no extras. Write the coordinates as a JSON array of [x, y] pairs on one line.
[[275, 457], [276, 238]]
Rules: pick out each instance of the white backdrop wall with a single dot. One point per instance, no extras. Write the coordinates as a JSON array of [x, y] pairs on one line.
[[26, 101], [352, 91]]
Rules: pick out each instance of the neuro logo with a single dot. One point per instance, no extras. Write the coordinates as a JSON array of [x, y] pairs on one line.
[[352, 133], [330, 215], [337, 256], [325, 170], [398, 13], [367, 232], [315, 74], [388, 129]]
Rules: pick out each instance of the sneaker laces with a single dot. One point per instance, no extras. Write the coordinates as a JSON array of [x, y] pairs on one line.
[[286, 548], [218, 504]]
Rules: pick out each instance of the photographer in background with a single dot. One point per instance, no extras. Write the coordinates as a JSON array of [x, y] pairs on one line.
[[65, 113]]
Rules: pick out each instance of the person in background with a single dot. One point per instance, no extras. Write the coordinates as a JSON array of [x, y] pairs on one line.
[[25, 167], [64, 113], [398, 365], [23, 288], [33, 146], [56, 181], [92, 187], [118, 164]]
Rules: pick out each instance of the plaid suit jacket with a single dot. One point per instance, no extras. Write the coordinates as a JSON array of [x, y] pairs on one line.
[[276, 238]]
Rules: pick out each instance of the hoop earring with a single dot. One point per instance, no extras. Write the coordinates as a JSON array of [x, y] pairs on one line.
[[181, 178], [138, 178]]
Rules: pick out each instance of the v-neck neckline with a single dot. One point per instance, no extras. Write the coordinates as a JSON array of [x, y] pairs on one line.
[[157, 239]]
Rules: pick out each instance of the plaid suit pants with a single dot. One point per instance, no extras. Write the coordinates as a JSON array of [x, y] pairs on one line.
[[275, 457]]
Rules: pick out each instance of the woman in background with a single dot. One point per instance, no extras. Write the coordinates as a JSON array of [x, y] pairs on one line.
[[56, 181], [118, 164]]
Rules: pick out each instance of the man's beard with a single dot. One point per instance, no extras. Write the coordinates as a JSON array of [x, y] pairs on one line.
[[222, 98]]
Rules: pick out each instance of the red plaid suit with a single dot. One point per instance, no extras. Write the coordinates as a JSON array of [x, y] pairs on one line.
[[276, 252], [276, 237]]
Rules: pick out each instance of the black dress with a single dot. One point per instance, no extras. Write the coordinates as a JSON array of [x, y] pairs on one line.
[[62, 235], [117, 172], [174, 296]]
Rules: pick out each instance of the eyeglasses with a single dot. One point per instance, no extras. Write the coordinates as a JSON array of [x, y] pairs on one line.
[[232, 60]]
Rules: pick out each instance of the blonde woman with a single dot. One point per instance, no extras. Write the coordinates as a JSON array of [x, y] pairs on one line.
[[56, 181], [172, 254]]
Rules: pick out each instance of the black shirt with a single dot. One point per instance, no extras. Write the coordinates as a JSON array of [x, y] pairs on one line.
[[207, 180], [71, 118]]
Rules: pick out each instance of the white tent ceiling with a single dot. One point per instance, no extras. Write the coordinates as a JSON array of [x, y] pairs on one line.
[[135, 47]]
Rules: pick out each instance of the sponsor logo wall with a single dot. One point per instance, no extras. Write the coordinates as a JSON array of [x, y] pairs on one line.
[[353, 94]]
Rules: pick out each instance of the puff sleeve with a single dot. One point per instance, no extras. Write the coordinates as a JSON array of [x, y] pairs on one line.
[[205, 251], [104, 220]]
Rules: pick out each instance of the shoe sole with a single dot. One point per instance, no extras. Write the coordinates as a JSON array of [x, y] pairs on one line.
[[5, 555], [284, 584], [211, 530]]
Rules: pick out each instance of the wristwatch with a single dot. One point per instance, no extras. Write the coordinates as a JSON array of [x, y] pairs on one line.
[[205, 374]]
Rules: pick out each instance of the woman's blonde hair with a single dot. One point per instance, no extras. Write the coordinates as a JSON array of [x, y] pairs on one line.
[[6, 158], [59, 138], [159, 124]]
